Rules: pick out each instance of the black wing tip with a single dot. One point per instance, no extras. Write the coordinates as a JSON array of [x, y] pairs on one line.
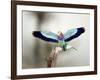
[[82, 29], [34, 33]]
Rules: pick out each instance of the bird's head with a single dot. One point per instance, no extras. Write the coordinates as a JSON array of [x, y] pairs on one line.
[[60, 35]]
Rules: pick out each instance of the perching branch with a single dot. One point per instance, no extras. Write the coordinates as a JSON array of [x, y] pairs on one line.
[[51, 62]]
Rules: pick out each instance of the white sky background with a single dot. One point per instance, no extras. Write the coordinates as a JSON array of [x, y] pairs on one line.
[[64, 21], [56, 22]]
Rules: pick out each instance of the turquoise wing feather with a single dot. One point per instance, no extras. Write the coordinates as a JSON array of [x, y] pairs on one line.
[[69, 33], [73, 33], [46, 36], [50, 35]]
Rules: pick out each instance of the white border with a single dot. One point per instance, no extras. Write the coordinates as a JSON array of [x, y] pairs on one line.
[[21, 71]]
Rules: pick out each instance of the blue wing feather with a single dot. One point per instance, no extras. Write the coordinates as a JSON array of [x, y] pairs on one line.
[[73, 33], [46, 36], [49, 35]]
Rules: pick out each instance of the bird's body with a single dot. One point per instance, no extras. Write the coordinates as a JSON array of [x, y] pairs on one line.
[[60, 38], [61, 41], [62, 44]]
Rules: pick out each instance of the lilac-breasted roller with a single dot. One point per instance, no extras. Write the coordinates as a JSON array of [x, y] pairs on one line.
[[60, 38]]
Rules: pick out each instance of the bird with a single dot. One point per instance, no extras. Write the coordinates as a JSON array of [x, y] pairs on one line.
[[60, 38]]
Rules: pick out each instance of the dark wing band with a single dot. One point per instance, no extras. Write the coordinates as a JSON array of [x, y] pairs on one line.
[[40, 35], [76, 34]]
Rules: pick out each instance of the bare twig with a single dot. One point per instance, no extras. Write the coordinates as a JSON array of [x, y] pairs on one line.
[[51, 62]]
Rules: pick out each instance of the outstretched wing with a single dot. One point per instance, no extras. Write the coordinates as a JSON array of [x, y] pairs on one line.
[[73, 33], [46, 36]]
